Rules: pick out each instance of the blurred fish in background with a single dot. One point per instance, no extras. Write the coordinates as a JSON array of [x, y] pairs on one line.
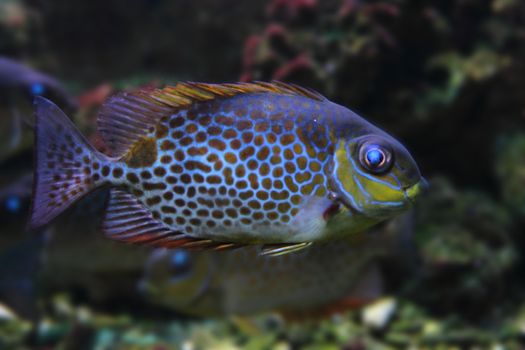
[[20, 265], [70, 252], [323, 279], [16, 183], [19, 84], [22, 253], [14, 199], [84, 262]]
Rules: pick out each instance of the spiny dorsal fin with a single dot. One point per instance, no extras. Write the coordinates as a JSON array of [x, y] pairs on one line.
[[127, 117], [184, 94]]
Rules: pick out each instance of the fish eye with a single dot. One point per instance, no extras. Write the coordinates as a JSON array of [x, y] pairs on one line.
[[37, 89], [12, 204], [375, 158], [180, 263]]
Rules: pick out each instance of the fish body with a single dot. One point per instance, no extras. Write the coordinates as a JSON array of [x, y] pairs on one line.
[[216, 166], [321, 279]]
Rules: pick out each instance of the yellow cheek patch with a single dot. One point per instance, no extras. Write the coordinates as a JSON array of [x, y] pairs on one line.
[[343, 171], [380, 192]]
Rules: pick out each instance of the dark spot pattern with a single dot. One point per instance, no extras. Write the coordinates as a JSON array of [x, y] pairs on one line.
[[241, 165]]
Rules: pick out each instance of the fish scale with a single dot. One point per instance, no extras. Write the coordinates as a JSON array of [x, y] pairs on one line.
[[216, 166], [212, 183]]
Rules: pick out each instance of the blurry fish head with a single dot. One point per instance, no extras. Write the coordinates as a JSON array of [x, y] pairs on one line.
[[19, 86], [49, 88], [20, 83], [375, 177], [12, 205], [14, 199], [177, 278]]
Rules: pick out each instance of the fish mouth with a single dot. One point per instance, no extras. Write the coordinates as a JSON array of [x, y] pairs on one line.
[[414, 191]]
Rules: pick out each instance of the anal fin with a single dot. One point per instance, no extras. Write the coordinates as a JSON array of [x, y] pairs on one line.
[[282, 249], [127, 220]]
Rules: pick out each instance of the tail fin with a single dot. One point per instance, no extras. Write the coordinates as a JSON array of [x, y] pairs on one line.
[[62, 174]]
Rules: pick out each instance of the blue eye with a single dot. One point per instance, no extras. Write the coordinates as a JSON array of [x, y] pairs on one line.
[[13, 204], [180, 258], [37, 89], [375, 158], [180, 263]]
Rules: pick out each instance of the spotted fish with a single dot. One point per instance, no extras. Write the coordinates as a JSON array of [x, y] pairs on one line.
[[220, 165]]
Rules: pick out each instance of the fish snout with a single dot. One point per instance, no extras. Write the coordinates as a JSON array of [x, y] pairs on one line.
[[416, 190]]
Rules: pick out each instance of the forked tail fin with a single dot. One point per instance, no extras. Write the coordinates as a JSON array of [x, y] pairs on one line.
[[63, 159]]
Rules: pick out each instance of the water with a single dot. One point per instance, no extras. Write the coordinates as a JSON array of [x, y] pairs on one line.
[[445, 78]]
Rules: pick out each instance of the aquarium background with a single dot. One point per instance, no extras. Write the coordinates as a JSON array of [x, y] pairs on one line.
[[445, 77]]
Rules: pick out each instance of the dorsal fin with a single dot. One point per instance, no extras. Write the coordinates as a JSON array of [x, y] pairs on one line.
[[128, 116], [184, 94]]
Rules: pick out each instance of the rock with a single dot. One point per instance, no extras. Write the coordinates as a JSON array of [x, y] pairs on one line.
[[378, 314]]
